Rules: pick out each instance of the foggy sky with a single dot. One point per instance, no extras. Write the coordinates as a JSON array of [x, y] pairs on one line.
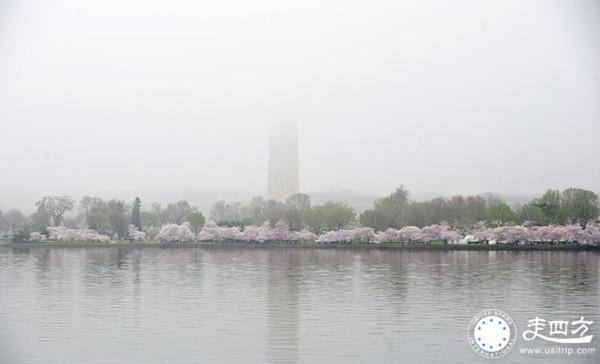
[[443, 97]]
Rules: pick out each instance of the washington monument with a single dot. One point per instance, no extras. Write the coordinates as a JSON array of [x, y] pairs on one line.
[[283, 161]]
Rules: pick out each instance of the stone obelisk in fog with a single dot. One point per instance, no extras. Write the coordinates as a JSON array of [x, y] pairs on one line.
[[283, 160]]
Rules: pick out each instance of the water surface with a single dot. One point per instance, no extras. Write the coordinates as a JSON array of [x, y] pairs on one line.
[[278, 305]]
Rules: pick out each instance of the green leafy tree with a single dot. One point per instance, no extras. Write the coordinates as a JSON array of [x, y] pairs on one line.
[[313, 219], [95, 214], [580, 206], [388, 211], [118, 217], [274, 212], [435, 210], [455, 209], [396, 211], [226, 214], [330, 216], [295, 205], [176, 213], [254, 212], [475, 209], [550, 205], [532, 213], [501, 214], [152, 218], [39, 221], [339, 215], [336, 215], [196, 220], [374, 219]]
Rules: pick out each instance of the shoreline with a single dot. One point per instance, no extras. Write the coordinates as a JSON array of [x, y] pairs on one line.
[[384, 246]]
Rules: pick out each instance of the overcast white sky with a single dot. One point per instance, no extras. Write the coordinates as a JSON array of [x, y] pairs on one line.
[[441, 96]]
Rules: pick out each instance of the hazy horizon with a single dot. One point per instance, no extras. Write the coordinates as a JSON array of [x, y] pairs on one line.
[[203, 199], [443, 98]]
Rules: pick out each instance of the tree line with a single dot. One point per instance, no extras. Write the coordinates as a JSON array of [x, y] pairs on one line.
[[573, 205], [108, 217], [297, 212], [115, 217]]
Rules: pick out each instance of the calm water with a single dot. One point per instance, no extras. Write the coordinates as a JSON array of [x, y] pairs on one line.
[[279, 305]]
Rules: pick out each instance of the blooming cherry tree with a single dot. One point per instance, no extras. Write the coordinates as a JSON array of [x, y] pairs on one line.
[[135, 234], [35, 236], [176, 233], [62, 233]]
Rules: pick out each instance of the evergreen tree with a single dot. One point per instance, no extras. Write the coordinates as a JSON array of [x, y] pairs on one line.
[[136, 213]]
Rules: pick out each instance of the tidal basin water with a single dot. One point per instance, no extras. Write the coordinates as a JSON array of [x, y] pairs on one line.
[[281, 305]]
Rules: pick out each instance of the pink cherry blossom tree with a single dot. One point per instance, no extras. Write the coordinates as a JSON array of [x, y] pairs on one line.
[[136, 235], [35, 236], [62, 233], [176, 233]]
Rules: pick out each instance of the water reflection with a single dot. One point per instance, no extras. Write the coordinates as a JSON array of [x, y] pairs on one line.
[[282, 308], [228, 305]]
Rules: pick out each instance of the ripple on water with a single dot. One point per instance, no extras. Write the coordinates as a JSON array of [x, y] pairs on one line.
[[182, 305]]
